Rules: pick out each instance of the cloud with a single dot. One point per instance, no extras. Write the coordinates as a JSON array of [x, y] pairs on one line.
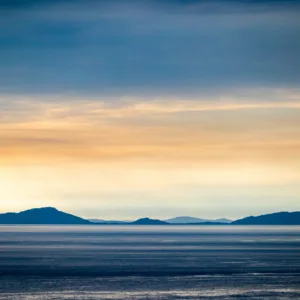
[[224, 131], [118, 47], [165, 106]]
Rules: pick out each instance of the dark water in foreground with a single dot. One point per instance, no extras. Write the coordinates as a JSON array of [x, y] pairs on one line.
[[149, 262]]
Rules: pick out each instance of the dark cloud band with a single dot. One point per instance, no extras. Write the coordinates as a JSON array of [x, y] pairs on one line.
[[138, 46]]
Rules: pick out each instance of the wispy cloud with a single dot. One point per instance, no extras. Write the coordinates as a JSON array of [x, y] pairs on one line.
[[87, 109], [220, 131]]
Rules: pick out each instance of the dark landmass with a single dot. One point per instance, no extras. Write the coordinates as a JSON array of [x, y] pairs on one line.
[[203, 223], [100, 221], [50, 215], [45, 215], [280, 218], [148, 221], [193, 220], [222, 220]]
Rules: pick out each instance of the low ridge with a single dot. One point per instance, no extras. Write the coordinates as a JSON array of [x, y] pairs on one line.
[[194, 220], [148, 221], [50, 215], [44, 215], [280, 218]]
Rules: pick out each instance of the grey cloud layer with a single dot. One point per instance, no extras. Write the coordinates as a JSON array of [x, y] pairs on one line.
[[133, 47]]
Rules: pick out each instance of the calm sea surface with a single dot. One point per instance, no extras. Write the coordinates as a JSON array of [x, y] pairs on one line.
[[149, 262]]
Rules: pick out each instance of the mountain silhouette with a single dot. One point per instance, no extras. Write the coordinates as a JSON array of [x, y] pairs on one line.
[[112, 222], [193, 220], [280, 218], [222, 220], [148, 221], [45, 215], [52, 216]]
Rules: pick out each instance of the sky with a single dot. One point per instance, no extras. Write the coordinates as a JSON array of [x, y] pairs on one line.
[[126, 109]]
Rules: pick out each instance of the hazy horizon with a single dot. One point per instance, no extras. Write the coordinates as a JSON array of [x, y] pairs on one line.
[[125, 109]]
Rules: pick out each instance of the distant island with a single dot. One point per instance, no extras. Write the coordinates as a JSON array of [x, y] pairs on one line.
[[52, 216], [148, 221], [44, 215], [193, 220], [280, 218]]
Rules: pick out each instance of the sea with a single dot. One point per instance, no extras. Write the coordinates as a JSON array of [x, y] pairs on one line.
[[149, 262]]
